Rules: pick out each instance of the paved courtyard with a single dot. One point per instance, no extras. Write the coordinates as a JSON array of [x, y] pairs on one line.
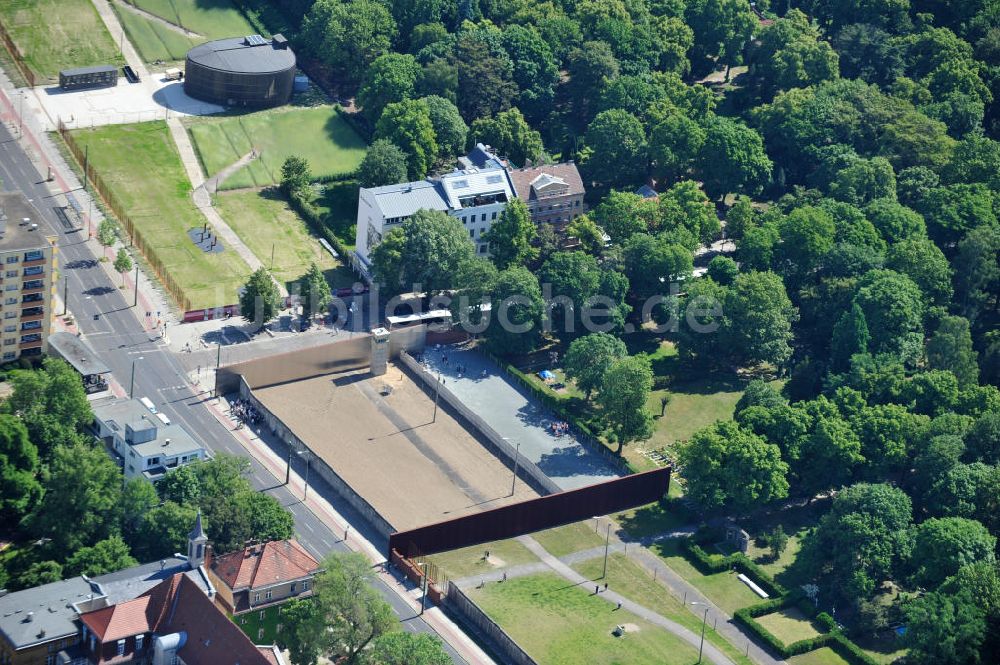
[[510, 411], [149, 99]]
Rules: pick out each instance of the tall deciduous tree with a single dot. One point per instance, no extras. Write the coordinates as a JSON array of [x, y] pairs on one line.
[[511, 236], [260, 300], [758, 319], [485, 79], [721, 28], [588, 357], [295, 175], [732, 159], [509, 134], [591, 67], [624, 389], [950, 348], [944, 628], [384, 164], [315, 291], [449, 128], [850, 337], [617, 143], [429, 249], [402, 648], [943, 545], [348, 36], [51, 403], [408, 125], [106, 556], [893, 308], [729, 467], [19, 485], [516, 314]]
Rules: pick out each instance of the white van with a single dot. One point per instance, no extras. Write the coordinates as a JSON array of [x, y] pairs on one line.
[[148, 403], [163, 418]]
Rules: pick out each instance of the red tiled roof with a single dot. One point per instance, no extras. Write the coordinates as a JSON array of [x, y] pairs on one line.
[[522, 178], [265, 565], [177, 605]]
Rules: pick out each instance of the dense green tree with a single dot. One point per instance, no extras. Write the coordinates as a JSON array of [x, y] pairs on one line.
[[790, 53], [450, 130], [511, 236], [860, 541], [622, 214], [850, 336], [438, 77], [755, 250], [411, 14], [138, 498], [106, 233], [517, 310], [384, 164], [51, 403], [402, 648], [123, 263], [430, 249], [39, 573], [260, 300], [977, 272], [485, 79], [408, 125], [982, 441], [535, 72], [890, 14], [960, 492], [913, 139], [893, 308], [348, 36], [82, 500], [314, 292], [806, 236], [758, 319], [701, 318], [943, 545], [867, 52], [723, 270], [652, 263], [888, 434], [587, 233], [828, 456], [950, 348], [759, 393], [932, 392], [976, 159], [509, 134], [729, 467], [164, 530], [944, 628], [861, 181], [181, 486], [588, 357], [617, 145], [622, 396], [591, 66], [106, 556], [295, 175], [922, 261], [721, 28], [953, 211], [19, 466], [685, 206], [732, 158], [674, 143], [895, 221]]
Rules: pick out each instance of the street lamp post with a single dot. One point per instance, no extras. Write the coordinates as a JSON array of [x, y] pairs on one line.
[[423, 596], [437, 390], [607, 544], [305, 492], [288, 468], [704, 620], [135, 299], [131, 383]]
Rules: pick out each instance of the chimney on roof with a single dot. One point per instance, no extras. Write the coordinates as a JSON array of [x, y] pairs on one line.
[[29, 617]]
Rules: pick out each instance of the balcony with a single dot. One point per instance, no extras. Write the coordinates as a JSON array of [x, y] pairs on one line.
[[33, 286], [34, 297], [28, 339], [32, 317], [29, 312], [34, 344], [31, 325]]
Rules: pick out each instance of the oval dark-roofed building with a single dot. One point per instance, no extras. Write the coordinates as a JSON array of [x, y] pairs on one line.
[[241, 71]]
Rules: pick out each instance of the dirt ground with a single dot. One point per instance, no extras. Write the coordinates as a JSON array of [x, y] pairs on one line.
[[413, 471]]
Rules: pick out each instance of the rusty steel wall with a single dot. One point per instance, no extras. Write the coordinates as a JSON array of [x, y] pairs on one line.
[[533, 515]]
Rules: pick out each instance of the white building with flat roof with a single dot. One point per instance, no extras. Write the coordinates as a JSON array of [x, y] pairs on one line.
[[475, 194]]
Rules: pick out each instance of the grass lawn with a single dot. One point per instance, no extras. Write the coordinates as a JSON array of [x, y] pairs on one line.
[[212, 19], [564, 540], [654, 518], [723, 589], [824, 656], [561, 624], [141, 165], [789, 625], [469, 561], [153, 40], [886, 648], [58, 34], [317, 134], [633, 582], [338, 203], [264, 220]]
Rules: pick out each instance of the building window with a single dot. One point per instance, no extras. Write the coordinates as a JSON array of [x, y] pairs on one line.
[[494, 215], [256, 599], [11, 287], [12, 273], [12, 259], [9, 341], [267, 595], [260, 633], [472, 233], [292, 588], [138, 642], [577, 203], [11, 301], [9, 355], [262, 614], [9, 315], [483, 218], [121, 647], [305, 585], [9, 328], [482, 249], [465, 220]]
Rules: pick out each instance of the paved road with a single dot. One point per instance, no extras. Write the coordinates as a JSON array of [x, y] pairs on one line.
[[112, 328]]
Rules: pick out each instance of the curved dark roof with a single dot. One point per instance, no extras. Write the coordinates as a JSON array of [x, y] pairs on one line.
[[236, 55]]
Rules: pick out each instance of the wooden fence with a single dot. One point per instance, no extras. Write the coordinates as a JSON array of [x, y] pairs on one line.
[[135, 236], [15, 54]]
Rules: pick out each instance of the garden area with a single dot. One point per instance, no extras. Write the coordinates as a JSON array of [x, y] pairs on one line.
[[58, 34], [271, 228], [559, 623], [141, 166], [193, 22], [318, 134]]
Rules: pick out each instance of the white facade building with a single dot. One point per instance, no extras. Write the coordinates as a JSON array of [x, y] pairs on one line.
[[475, 194]]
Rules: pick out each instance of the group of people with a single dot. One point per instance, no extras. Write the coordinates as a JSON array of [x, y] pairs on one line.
[[559, 428], [244, 412]]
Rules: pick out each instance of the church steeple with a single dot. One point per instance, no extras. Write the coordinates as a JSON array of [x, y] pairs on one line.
[[197, 542]]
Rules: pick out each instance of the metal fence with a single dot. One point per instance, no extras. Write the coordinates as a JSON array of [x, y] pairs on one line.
[[132, 231]]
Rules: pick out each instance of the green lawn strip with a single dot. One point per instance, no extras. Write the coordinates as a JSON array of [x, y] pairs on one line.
[[789, 625], [723, 589], [213, 146], [338, 203], [262, 219], [141, 165], [58, 34], [821, 656], [470, 561], [214, 19], [251, 624], [560, 624], [654, 519], [884, 649], [564, 540], [317, 134], [632, 581], [153, 40]]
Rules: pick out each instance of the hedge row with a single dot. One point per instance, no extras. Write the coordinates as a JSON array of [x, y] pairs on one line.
[[308, 212], [717, 563]]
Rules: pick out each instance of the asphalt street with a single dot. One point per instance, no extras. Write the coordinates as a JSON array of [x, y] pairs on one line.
[[111, 326]]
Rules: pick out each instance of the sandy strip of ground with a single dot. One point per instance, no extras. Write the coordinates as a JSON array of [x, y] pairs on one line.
[[411, 470]]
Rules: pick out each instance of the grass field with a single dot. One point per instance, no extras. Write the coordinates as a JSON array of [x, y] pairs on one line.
[[212, 19], [633, 582], [58, 34], [141, 165], [824, 656], [789, 625], [470, 561], [723, 589], [316, 134], [263, 220], [561, 624], [564, 540], [153, 40], [338, 203]]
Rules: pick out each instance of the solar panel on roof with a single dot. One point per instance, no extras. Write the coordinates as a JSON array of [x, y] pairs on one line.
[[461, 184], [494, 179], [255, 40]]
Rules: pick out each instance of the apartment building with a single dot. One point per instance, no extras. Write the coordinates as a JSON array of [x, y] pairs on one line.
[[552, 192], [28, 262]]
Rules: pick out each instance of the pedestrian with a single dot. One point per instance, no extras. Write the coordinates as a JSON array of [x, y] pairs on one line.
[[605, 586], [597, 589], [505, 576], [619, 605]]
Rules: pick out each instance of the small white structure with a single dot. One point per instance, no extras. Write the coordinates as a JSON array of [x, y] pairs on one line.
[[380, 351]]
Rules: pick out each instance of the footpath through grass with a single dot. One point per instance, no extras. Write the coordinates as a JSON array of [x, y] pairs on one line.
[[58, 34], [153, 40], [208, 19], [141, 165], [318, 135], [266, 223], [559, 623]]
